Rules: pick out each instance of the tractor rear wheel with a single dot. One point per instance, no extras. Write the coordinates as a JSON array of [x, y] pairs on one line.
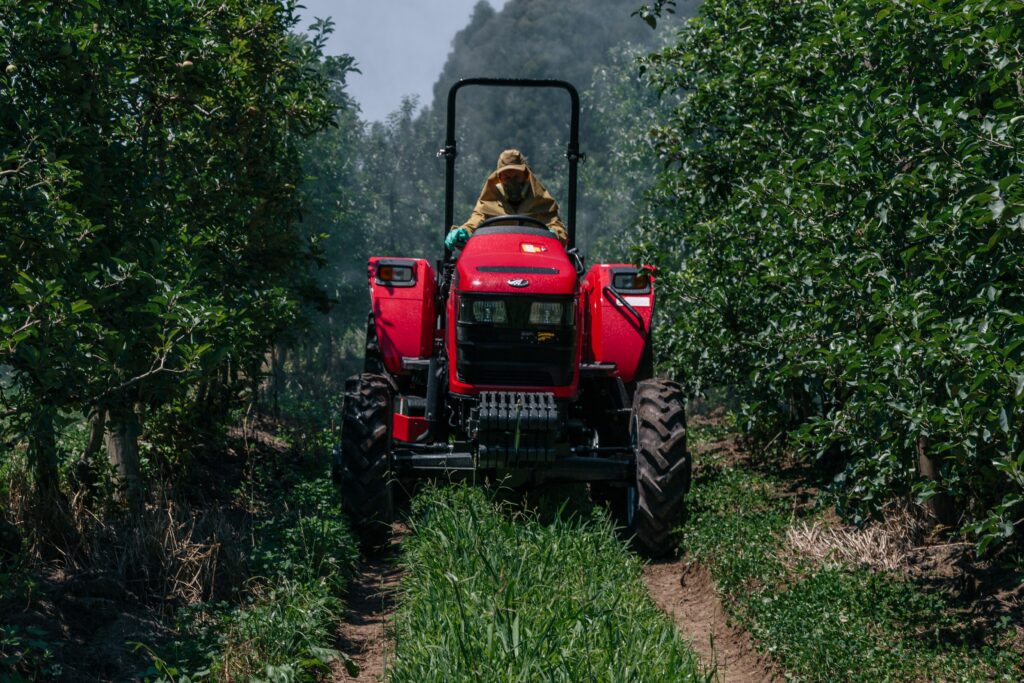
[[364, 470], [663, 465]]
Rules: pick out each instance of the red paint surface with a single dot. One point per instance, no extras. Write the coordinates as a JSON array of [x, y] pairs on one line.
[[404, 316], [505, 250], [606, 331], [612, 334], [408, 427], [498, 251]]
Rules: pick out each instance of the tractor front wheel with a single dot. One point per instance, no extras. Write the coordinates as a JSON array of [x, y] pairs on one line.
[[663, 465], [364, 470]]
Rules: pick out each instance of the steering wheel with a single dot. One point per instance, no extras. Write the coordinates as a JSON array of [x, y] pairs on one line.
[[514, 217]]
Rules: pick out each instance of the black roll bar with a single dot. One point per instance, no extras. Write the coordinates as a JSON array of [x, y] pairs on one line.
[[450, 149]]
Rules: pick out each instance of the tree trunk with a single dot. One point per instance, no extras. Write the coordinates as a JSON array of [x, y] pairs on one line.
[[51, 506], [83, 474], [97, 428], [10, 540], [122, 440], [43, 455], [202, 395], [940, 505], [331, 364], [280, 358]]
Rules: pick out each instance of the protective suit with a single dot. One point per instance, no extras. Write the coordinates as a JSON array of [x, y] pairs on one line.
[[534, 199]]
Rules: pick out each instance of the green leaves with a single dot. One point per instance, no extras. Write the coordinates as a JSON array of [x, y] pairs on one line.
[[847, 203], [650, 15], [148, 192]]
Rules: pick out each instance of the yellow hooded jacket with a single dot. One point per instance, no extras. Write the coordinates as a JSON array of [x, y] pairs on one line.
[[537, 202]]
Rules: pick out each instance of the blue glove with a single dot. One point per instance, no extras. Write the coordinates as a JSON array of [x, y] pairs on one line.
[[456, 238]]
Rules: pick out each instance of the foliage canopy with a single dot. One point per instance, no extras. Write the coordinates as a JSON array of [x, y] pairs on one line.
[[845, 240], [149, 171]]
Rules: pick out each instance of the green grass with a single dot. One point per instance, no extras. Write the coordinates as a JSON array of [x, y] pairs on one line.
[[825, 623], [492, 594]]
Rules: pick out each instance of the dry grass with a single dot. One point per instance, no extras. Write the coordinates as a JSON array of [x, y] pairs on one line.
[[171, 553], [884, 545]]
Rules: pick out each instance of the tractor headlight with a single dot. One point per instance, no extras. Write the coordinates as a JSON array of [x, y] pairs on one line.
[[483, 311], [546, 313], [515, 312]]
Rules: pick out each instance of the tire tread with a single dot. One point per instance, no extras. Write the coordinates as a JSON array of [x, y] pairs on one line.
[[365, 471], [663, 464]]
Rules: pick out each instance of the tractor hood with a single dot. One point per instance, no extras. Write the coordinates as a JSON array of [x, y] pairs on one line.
[[515, 260]]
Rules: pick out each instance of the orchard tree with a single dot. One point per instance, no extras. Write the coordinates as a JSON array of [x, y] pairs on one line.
[[149, 193], [842, 238]]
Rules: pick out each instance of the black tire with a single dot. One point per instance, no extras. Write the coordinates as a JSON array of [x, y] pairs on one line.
[[364, 470], [663, 465]]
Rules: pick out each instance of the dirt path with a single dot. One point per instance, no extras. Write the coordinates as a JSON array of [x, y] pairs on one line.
[[364, 634], [686, 592]]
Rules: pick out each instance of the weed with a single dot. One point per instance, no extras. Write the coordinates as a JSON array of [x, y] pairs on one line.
[[27, 653], [310, 541], [289, 626], [824, 623], [302, 557], [704, 429]]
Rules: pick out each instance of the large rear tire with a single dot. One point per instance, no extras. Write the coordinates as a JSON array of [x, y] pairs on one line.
[[663, 465], [364, 470]]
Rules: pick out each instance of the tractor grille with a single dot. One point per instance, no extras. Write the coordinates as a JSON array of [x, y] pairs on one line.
[[515, 353]]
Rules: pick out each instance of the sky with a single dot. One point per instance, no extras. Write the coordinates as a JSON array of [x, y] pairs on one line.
[[400, 45]]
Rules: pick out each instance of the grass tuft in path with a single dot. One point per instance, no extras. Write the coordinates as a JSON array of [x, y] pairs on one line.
[[494, 594]]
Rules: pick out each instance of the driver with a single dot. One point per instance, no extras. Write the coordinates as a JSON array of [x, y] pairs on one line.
[[512, 189]]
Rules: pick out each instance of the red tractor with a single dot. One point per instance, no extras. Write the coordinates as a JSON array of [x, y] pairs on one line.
[[514, 363]]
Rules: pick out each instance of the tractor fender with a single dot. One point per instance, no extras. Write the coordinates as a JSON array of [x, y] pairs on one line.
[[402, 300], [618, 325]]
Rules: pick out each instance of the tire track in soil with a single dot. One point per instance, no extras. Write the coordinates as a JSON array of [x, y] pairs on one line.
[[686, 592], [364, 634]]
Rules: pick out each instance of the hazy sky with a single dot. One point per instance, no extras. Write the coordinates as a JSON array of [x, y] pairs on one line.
[[400, 45]]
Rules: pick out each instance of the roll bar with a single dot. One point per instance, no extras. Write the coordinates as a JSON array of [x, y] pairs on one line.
[[450, 149]]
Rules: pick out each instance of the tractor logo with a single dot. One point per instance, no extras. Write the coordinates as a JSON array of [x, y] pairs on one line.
[[519, 282]]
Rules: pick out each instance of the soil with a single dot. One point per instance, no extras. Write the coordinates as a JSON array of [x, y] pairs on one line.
[[686, 592], [365, 633]]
